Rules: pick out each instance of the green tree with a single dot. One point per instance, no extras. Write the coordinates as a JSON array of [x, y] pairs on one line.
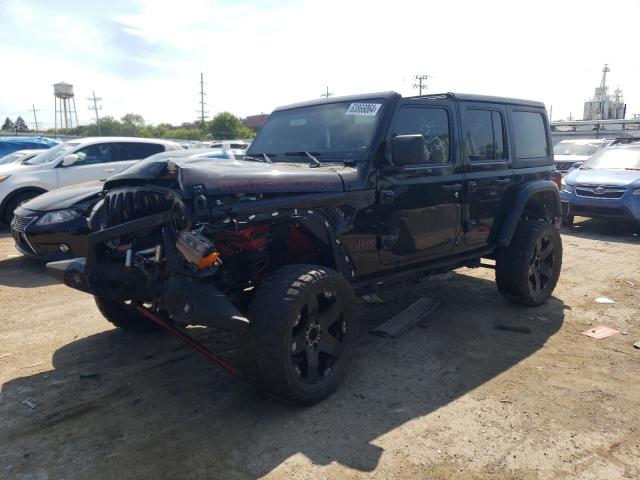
[[20, 125], [134, 119], [8, 124], [226, 126]]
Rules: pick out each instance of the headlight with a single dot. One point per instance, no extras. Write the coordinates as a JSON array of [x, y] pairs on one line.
[[636, 192], [4, 177], [564, 187], [59, 217]]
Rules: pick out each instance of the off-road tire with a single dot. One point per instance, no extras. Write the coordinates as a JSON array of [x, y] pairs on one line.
[[527, 262], [125, 317], [567, 220], [280, 314], [15, 202]]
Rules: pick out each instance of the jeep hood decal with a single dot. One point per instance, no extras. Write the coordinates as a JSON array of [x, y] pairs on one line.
[[220, 176]]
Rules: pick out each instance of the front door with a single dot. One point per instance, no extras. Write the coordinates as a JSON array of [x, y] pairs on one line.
[[420, 206], [95, 162]]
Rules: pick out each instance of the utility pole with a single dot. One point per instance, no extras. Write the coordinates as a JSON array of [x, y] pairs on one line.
[[95, 108], [202, 102], [35, 118], [550, 113], [421, 82], [327, 93]]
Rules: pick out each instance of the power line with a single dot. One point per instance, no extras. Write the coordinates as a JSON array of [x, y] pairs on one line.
[[202, 110], [420, 85], [327, 93], [35, 118], [95, 107]]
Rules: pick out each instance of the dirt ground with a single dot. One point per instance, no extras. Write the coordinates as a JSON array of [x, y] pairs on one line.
[[452, 398]]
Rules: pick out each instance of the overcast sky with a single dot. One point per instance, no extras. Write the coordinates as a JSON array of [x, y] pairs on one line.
[[143, 57]]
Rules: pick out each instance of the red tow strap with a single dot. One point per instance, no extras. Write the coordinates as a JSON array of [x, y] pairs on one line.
[[192, 342]]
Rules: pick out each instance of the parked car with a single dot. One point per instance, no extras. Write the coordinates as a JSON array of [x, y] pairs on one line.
[[605, 186], [334, 196], [54, 225], [69, 163], [573, 152], [11, 144], [20, 156]]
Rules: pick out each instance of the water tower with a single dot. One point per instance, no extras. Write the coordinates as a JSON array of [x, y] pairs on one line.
[[65, 105]]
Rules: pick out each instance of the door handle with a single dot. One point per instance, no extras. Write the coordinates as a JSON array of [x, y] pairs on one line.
[[109, 170], [502, 181], [452, 187], [472, 186]]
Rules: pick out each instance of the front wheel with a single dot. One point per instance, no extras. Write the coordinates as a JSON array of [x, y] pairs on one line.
[[528, 269], [303, 329], [125, 316]]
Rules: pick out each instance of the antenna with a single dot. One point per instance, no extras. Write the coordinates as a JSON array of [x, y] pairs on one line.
[[95, 107]]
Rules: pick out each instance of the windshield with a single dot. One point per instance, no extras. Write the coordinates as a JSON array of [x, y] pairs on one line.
[[614, 159], [342, 129], [585, 149], [52, 154]]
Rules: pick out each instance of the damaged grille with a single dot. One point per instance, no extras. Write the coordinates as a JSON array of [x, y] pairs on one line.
[[121, 206]]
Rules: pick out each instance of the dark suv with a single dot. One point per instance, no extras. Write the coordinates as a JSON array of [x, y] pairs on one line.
[[333, 197]]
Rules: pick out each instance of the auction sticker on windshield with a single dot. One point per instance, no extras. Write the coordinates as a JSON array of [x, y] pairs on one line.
[[366, 109]]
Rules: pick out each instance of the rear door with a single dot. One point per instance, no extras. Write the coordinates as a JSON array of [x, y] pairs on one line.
[[420, 207], [488, 168]]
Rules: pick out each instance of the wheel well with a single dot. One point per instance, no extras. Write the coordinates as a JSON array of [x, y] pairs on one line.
[[17, 192], [541, 205], [298, 244]]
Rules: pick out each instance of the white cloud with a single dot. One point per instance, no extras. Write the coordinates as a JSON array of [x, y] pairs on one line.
[[256, 56]]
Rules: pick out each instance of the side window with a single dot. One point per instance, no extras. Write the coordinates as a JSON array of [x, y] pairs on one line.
[[138, 151], [529, 135], [484, 138], [433, 124], [98, 153]]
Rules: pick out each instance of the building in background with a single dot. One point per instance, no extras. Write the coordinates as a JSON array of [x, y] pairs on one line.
[[604, 106], [255, 122]]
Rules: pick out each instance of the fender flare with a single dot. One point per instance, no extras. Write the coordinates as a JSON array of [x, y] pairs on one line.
[[522, 197]]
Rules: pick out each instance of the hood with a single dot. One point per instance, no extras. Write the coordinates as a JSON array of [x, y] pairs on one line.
[[220, 176], [17, 167], [571, 158], [619, 178], [64, 197]]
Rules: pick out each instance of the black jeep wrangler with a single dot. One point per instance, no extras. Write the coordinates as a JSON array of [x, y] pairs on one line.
[[333, 197]]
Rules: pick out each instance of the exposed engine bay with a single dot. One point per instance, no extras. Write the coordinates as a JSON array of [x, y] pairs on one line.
[[181, 262]]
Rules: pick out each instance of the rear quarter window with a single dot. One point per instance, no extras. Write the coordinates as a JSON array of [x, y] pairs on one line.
[[529, 135]]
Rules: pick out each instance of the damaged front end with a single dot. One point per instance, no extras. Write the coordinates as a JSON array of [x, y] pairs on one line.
[[192, 256]]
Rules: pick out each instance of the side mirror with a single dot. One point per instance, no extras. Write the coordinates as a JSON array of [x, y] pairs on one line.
[[69, 160], [408, 150]]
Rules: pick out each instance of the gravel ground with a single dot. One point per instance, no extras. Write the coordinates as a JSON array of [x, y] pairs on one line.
[[452, 398]]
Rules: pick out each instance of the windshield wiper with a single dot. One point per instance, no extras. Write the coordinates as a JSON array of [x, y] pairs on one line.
[[314, 160], [265, 158]]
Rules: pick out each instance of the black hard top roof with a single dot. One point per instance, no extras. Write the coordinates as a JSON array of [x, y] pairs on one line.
[[465, 97]]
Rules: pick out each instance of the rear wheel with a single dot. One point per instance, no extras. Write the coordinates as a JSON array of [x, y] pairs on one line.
[[567, 220], [528, 269], [125, 316], [303, 331]]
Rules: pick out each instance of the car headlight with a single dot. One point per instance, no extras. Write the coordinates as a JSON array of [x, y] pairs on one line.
[[636, 192], [4, 177], [564, 187], [59, 216]]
